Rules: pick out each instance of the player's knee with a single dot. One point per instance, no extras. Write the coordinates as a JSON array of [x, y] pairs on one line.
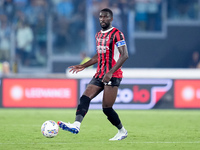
[[107, 105], [83, 105]]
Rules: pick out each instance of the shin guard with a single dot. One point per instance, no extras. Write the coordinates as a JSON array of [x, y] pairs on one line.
[[83, 107]]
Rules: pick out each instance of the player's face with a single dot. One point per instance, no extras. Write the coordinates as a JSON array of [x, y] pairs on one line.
[[105, 19]]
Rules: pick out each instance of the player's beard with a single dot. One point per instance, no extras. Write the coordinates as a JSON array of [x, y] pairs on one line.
[[105, 26]]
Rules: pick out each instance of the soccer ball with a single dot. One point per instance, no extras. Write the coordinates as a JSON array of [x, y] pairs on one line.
[[49, 129]]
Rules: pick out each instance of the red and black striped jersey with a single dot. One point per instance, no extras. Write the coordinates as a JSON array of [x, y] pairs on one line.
[[107, 43]]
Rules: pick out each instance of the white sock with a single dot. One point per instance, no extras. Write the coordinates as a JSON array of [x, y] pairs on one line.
[[122, 129], [77, 124]]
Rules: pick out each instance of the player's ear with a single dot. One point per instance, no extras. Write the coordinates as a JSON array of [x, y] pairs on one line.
[[111, 18]]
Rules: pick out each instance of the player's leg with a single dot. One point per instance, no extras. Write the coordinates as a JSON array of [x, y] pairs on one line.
[[82, 109], [109, 97], [91, 91]]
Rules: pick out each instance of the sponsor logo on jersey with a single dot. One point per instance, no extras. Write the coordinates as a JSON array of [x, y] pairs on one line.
[[102, 49]]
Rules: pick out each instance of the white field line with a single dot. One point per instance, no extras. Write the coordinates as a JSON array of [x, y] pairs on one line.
[[22, 125], [189, 142]]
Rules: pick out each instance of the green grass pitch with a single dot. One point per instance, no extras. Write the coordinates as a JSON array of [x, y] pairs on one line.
[[147, 130]]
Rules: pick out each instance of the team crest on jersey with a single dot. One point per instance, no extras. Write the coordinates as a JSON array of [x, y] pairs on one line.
[[102, 39]]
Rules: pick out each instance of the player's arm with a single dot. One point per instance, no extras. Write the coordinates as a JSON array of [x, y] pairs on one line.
[[90, 62], [124, 56]]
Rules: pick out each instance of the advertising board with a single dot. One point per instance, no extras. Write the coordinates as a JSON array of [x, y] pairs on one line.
[[134, 93], [187, 93], [39, 93]]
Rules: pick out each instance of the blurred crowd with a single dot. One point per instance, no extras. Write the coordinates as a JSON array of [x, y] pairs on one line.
[[32, 29], [23, 25], [27, 27], [183, 9]]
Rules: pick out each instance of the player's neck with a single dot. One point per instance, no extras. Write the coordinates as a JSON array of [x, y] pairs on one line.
[[104, 29]]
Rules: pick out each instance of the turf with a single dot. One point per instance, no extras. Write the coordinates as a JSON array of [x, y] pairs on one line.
[[147, 130]]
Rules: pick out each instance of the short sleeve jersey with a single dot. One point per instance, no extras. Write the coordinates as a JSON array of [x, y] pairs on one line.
[[107, 43]]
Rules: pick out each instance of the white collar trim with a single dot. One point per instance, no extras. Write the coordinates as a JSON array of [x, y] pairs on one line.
[[106, 30]]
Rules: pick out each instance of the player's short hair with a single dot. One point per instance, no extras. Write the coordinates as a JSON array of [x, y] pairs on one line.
[[108, 10]]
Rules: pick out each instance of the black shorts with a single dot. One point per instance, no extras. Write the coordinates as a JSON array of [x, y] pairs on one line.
[[113, 82]]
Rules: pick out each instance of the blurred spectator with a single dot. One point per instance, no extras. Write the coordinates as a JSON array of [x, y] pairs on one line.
[[6, 68], [77, 28], [20, 4], [34, 10], [141, 14], [19, 17], [4, 38], [24, 39], [195, 61], [62, 37], [153, 15], [9, 9], [62, 40], [41, 31], [41, 56]]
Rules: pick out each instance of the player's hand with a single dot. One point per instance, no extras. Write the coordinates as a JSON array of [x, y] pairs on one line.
[[76, 68], [107, 77]]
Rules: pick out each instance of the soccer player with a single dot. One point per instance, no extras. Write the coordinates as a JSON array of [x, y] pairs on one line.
[[111, 54]]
